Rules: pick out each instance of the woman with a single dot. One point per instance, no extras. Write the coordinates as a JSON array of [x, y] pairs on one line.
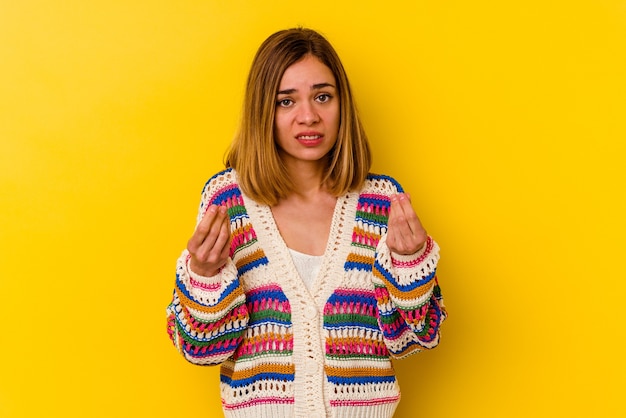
[[305, 274]]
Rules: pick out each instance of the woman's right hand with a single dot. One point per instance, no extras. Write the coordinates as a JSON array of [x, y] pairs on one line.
[[209, 246]]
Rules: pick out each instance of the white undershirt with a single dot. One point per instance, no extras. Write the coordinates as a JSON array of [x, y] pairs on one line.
[[307, 265]]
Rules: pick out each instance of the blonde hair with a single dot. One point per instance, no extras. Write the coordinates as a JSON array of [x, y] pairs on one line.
[[254, 153]]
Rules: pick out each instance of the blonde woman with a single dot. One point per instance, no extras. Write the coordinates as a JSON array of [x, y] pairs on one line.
[[305, 274]]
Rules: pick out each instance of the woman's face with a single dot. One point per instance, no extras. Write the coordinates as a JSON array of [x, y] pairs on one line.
[[307, 112]]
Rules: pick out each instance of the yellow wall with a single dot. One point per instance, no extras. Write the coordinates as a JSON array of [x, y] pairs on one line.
[[505, 120]]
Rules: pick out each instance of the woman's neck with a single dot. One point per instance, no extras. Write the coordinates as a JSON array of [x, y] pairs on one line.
[[307, 178]]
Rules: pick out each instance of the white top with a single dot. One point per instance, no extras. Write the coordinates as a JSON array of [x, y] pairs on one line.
[[307, 265]]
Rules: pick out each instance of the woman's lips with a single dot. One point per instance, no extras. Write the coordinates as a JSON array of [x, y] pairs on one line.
[[310, 139]]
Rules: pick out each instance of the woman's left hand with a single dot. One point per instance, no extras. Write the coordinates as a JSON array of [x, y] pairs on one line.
[[405, 233]]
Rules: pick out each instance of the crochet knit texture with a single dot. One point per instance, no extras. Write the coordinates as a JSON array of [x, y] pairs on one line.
[[286, 351]]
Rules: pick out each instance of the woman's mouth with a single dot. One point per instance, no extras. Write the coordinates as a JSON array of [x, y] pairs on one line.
[[310, 140]]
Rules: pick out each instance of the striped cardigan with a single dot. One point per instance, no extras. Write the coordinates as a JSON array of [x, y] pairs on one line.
[[286, 351]]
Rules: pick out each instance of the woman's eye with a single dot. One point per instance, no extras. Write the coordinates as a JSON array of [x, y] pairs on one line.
[[285, 102], [323, 98]]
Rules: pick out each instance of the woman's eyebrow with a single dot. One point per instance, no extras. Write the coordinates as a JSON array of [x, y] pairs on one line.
[[317, 86], [321, 86]]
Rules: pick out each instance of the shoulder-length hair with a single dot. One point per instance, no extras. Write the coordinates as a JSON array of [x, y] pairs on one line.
[[254, 153]]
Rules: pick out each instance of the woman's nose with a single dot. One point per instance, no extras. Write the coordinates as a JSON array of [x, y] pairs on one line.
[[307, 114]]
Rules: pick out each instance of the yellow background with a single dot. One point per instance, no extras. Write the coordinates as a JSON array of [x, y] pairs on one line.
[[505, 121]]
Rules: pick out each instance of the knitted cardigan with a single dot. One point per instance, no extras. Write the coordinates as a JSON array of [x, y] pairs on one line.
[[288, 352]]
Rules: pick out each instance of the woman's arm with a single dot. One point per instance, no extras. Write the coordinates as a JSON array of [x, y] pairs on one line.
[[409, 300], [208, 314]]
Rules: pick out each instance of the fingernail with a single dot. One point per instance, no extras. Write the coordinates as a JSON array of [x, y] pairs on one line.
[[212, 208]]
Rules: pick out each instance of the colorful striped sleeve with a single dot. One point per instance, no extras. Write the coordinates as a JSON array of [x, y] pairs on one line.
[[410, 304], [207, 316]]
